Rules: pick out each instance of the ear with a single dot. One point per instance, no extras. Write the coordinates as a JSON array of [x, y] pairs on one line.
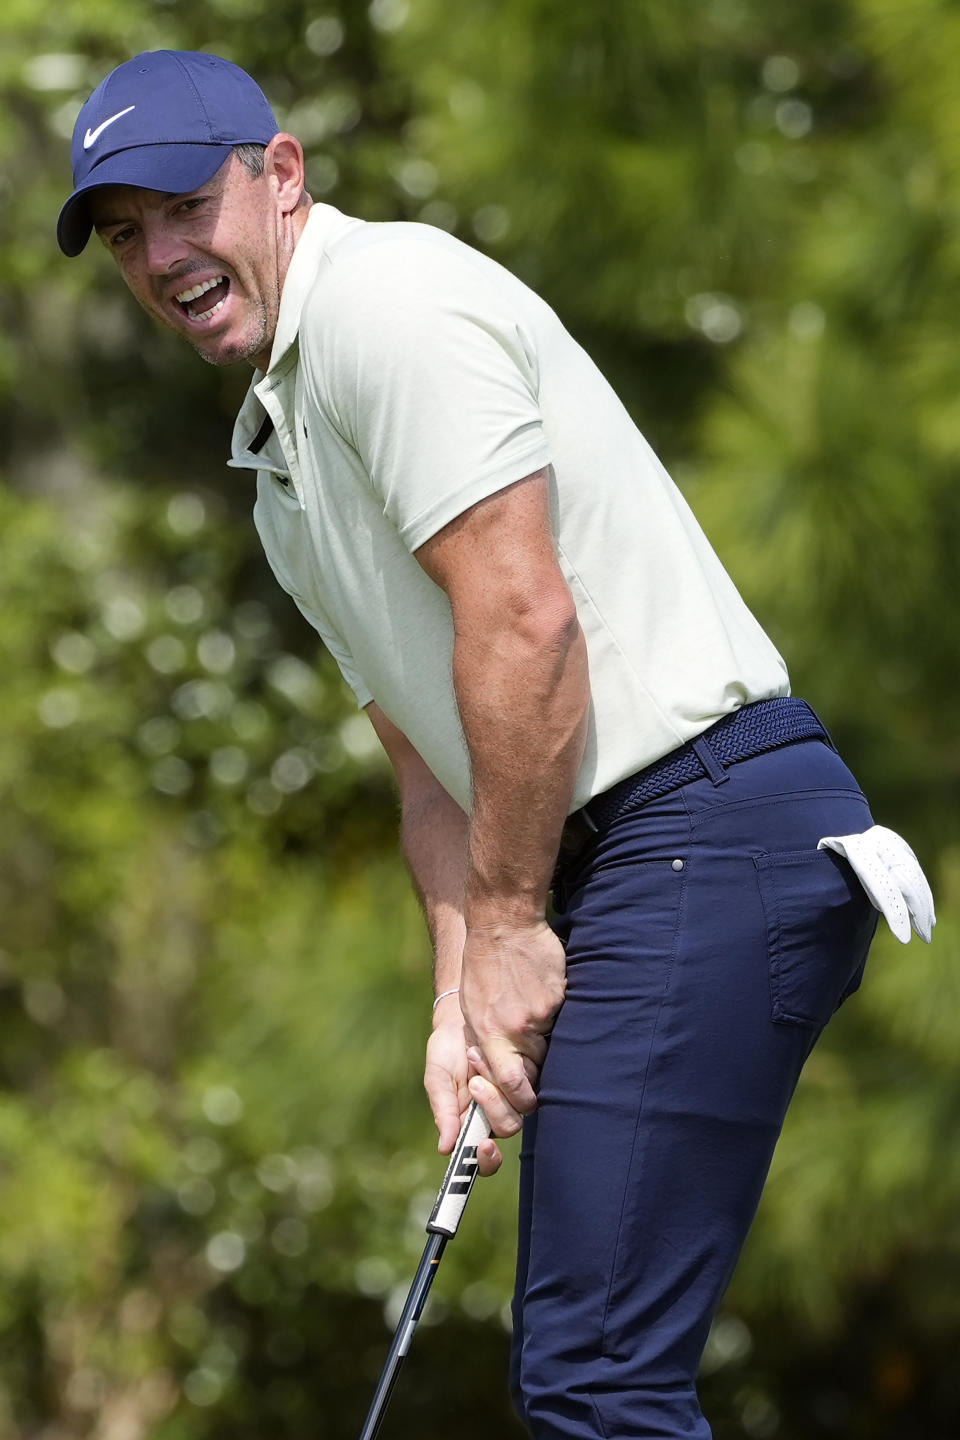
[[283, 165]]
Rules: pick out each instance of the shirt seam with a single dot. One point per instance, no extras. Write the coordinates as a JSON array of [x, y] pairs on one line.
[[427, 522]]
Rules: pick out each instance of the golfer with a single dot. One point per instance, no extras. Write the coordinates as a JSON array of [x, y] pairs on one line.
[[574, 697]]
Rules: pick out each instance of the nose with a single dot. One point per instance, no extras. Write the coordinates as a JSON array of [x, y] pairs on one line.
[[163, 247]]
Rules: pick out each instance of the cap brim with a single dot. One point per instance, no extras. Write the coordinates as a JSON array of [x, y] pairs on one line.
[[174, 169]]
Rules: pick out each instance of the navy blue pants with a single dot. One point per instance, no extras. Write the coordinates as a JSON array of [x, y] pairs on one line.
[[708, 943]]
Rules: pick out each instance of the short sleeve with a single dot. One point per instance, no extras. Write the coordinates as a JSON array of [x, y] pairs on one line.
[[416, 352]]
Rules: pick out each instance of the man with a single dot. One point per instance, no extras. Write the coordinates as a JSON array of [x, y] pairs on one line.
[[557, 666]]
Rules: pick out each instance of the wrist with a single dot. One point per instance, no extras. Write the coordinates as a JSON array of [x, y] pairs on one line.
[[446, 1008], [445, 994], [503, 915], [514, 905]]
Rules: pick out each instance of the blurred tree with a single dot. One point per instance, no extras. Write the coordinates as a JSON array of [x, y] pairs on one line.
[[213, 1159]]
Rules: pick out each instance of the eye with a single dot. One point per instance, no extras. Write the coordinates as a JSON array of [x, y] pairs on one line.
[[120, 237], [192, 204]]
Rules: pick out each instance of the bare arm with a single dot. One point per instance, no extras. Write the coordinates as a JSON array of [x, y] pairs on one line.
[[520, 674], [433, 829]]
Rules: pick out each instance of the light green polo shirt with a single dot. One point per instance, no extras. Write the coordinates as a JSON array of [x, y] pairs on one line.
[[411, 377]]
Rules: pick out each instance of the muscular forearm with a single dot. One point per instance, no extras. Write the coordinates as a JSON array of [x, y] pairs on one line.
[[434, 834], [520, 675], [434, 831], [523, 693]]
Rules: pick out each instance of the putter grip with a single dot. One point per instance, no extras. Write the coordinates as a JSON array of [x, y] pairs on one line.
[[461, 1173]]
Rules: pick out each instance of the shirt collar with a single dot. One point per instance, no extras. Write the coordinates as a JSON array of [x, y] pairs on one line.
[[324, 226]]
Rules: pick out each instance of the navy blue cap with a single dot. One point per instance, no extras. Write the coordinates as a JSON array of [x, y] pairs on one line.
[[165, 120]]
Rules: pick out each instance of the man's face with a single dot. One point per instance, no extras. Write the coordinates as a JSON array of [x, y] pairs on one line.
[[223, 239]]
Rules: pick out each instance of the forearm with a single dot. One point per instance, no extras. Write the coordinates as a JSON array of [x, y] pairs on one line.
[[520, 676], [523, 693], [434, 834]]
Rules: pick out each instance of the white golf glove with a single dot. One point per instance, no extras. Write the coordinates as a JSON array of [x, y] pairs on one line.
[[890, 873]]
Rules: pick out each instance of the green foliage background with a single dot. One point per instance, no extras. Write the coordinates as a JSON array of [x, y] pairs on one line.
[[214, 1156]]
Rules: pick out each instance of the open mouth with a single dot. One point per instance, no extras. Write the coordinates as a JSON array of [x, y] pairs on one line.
[[202, 302]]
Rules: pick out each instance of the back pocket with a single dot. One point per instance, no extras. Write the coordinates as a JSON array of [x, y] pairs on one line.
[[819, 927]]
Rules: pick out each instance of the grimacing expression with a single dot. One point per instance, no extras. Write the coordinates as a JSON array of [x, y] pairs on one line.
[[207, 264]]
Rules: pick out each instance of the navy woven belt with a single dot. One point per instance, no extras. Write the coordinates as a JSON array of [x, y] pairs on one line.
[[751, 730]]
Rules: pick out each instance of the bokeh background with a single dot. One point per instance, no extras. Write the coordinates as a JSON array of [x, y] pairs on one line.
[[215, 1157]]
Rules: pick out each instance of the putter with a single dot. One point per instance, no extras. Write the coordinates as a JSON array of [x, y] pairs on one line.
[[448, 1209]]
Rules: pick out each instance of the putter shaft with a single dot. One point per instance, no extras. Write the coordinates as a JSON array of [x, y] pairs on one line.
[[412, 1311], [441, 1227]]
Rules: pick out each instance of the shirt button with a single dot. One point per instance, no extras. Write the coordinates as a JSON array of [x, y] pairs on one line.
[[676, 864]]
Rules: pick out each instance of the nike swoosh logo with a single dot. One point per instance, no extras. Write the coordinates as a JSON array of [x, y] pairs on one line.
[[92, 136]]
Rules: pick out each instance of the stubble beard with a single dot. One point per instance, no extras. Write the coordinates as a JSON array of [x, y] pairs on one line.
[[244, 349]]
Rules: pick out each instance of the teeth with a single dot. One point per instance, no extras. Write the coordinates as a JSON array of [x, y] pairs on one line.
[[207, 314], [185, 296]]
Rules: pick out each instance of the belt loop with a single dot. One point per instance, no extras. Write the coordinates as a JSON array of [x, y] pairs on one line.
[[709, 761], [828, 738]]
